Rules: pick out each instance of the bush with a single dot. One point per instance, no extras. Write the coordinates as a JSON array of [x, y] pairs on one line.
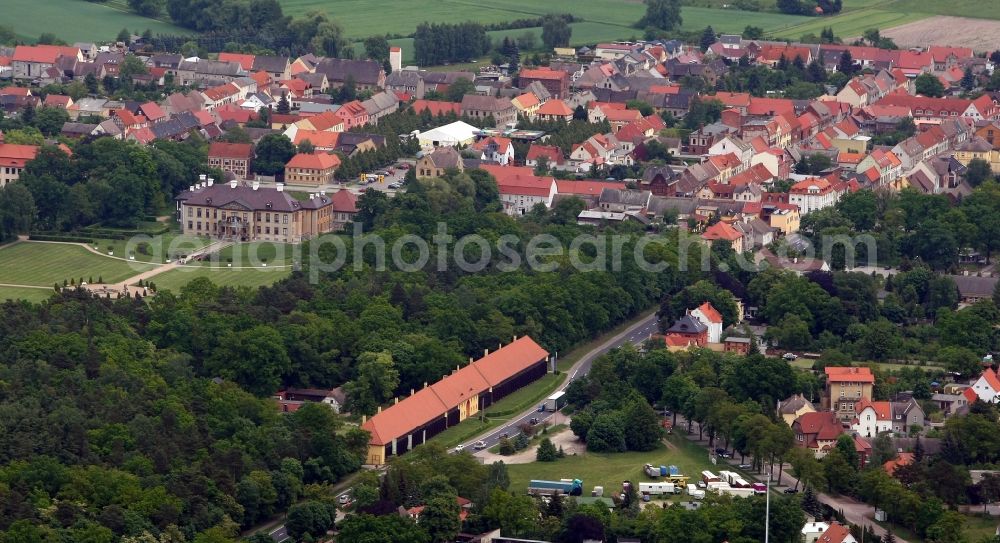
[[56, 237], [546, 451], [506, 447]]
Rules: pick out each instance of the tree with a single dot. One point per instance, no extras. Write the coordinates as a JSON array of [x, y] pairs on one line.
[[846, 64], [459, 88], [440, 519], [376, 381], [283, 107], [643, 431], [546, 451], [661, 14], [708, 38], [968, 79], [255, 358], [146, 8], [123, 36], [130, 66], [17, 210], [309, 518], [753, 33], [792, 7], [382, 529], [514, 514], [978, 171], [377, 48], [929, 85], [272, 153], [526, 41], [606, 434], [556, 31], [50, 120]]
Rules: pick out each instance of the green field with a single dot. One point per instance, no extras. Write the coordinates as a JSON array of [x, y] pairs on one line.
[[957, 8], [161, 246], [852, 23], [42, 264], [76, 20], [174, 279], [255, 253], [25, 293], [609, 470]]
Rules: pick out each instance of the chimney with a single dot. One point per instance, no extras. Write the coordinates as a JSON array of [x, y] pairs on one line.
[[211, 182], [425, 384], [202, 177], [411, 392], [232, 184], [395, 400], [256, 185], [191, 188], [280, 187], [364, 419], [312, 196], [486, 352], [380, 409], [470, 360]]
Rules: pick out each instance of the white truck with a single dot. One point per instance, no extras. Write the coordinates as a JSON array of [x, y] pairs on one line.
[[657, 489], [737, 492], [695, 492]]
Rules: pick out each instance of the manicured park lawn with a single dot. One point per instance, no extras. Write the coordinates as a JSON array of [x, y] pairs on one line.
[[25, 293], [161, 246], [76, 20], [174, 279], [609, 470], [255, 253], [42, 264]]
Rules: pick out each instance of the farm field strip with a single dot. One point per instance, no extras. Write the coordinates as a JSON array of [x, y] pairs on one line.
[[76, 20]]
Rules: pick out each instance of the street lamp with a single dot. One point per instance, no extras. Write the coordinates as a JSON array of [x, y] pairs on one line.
[[767, 509]]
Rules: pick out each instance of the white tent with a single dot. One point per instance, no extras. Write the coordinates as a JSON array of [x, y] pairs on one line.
[[449, 135]]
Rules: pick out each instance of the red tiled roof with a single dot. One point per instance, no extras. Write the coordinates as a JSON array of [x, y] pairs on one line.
[[421, 408], [56, 100], [902, 459], [836, 533], [519, 180], [991, 379], [326, 121], [245, 61], [771, 106], [551, 152], [544, 73], [587, 188], [152, 111], [732, 99], [622, 115], [437, 108], [823, 424], [837, 374], [502, 144], [314, 161], [883, 410], [15, 91], [721, 230], [556, 108], [500, 365], [143, 135], [710, 312], [970, 395], [319, 139], [230, 150], [262, 78], [344, 201], [16, 155], [45, 54]]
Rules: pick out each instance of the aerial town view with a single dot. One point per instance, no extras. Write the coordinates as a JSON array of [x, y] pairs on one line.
[[436, 271]]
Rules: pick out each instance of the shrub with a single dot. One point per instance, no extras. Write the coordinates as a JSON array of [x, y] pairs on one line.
[[546, 451]]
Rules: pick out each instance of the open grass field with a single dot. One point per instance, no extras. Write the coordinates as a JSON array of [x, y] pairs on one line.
[[852, 23], [42, 264], [161, 246], [25, 293], [255, 253], [979, 34], [609, 470], [174, 279], [76, 20]]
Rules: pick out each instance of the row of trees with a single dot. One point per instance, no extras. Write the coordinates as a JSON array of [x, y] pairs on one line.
[[439, 43]]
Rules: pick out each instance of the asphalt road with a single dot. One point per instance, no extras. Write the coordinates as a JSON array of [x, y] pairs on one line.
[[279, 534], [636, 334]]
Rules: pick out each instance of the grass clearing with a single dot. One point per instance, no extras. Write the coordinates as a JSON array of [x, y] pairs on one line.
[[255, 253], [958, 8], [609, 470], [805, 363], [34, 295], [42, 264], [160, 246], [850, 24], [74, 20], [176, 278]]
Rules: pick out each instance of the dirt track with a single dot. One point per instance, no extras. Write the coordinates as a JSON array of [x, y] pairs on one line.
[[979, 34]]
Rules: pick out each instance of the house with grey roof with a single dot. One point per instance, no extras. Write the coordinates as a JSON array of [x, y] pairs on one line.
[[380, 105]]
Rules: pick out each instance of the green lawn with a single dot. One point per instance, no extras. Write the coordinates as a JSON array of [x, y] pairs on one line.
[[609, 470], [174, 279], [161, 246], [806, 363], [25, 293], [958, 8], [42, 264], [852, 23], [76, 20], [255, 253]]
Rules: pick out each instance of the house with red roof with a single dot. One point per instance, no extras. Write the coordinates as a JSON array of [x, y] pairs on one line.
[[221, 95], [521, 189], [436, 108], [817, 431], [57, 101], [461, 394], [552, 154], [815, 193], [837, 533], [946, 57], [12, 160], [902, 459], [598, 111], [526, 104], [554, 81], [495, 149], [725, 232], [554, 110], [245, 61], [987, 387], [153, 112], [236, 158], [312, 169], [887, 163], [618, 118], [127, 121], [32, 61], [934, 109], [353, 113], [845, 387], [711, 318]]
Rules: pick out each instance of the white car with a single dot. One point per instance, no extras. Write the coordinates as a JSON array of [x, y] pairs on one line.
[[789, 356], [480, 445], [459, 448]]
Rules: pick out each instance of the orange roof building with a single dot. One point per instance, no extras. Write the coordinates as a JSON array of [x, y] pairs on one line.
[[313, 169], [12, 160], [457, 396]]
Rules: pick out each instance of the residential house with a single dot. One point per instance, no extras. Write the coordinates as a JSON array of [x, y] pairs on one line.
[[554, 110], [554, 81], [312, 169], [686, 332], [495, 149], [973, 288], [13, 159], [722, 231], [353, 113], [436, 163], [335, 398], [794, 407], [278, 67], [366, 74], [236, 158], [409, 82], [526, 104], [32, 61], [814, 193], [987, 386], [241, 212], [658, 179], [712, 320], [933, 109], [193, 71], [817, 431], [521, 189], [887, 163], [552, 155], [501, 110], [623, 200], [845, 387], [837, 533], [380, 105], [436, 108], [873, 418]]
